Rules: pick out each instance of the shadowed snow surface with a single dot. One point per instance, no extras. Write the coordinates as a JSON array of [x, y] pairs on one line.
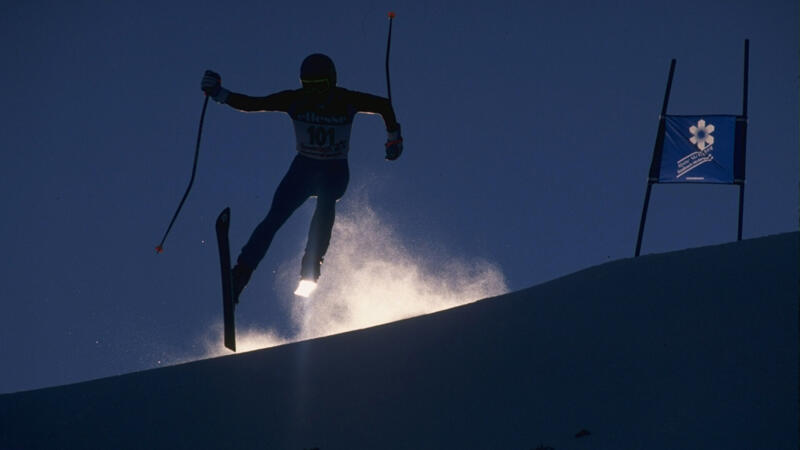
[[690, 349]]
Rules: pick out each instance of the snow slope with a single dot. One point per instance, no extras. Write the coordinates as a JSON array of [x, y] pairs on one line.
[[690, 349]]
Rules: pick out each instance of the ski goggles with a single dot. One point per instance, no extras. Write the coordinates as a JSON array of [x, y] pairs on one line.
[[316, 85]]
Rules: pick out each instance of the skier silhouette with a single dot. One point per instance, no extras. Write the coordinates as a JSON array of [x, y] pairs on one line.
[[322, 114]]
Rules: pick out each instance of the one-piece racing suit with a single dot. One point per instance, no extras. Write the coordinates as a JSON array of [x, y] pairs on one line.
[[322, 124]]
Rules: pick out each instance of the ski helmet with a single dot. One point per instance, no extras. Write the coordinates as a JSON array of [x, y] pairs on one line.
[[318, 67]]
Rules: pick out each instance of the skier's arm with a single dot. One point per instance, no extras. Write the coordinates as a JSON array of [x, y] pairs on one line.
[[373, 104], [279, 101], [212, 86]]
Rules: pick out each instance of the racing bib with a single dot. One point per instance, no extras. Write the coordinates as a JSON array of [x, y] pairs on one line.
[[322, 137]]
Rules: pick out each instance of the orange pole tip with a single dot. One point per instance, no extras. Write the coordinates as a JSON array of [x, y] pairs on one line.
[[392, 14], [159, 249]]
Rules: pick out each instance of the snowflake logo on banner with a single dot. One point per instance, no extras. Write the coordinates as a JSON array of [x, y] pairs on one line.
[[701, 134], [702, 138]]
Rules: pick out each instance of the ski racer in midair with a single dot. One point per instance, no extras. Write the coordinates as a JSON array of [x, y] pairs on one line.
[[322, 114]]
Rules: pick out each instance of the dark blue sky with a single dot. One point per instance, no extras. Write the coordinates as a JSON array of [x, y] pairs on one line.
[[528, 132]]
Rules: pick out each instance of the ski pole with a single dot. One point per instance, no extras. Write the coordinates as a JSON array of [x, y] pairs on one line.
[[160, 247], [388, 47]]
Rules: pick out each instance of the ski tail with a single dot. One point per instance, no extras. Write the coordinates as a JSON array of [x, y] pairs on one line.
[[222, 227]]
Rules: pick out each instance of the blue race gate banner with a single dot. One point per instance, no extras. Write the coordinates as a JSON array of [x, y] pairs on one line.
[[699, 149], [702, 149]]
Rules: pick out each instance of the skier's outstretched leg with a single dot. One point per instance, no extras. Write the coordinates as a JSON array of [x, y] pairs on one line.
[[319, 237], [332, 187], [291, 193]]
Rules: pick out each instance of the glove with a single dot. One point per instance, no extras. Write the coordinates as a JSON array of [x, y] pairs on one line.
[[394, 144], [212, 86]]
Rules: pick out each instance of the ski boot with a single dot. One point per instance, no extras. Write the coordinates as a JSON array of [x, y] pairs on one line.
[[240, 275], [308, 278]]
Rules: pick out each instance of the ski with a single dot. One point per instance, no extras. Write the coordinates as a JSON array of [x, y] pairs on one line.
[[222, 226]]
